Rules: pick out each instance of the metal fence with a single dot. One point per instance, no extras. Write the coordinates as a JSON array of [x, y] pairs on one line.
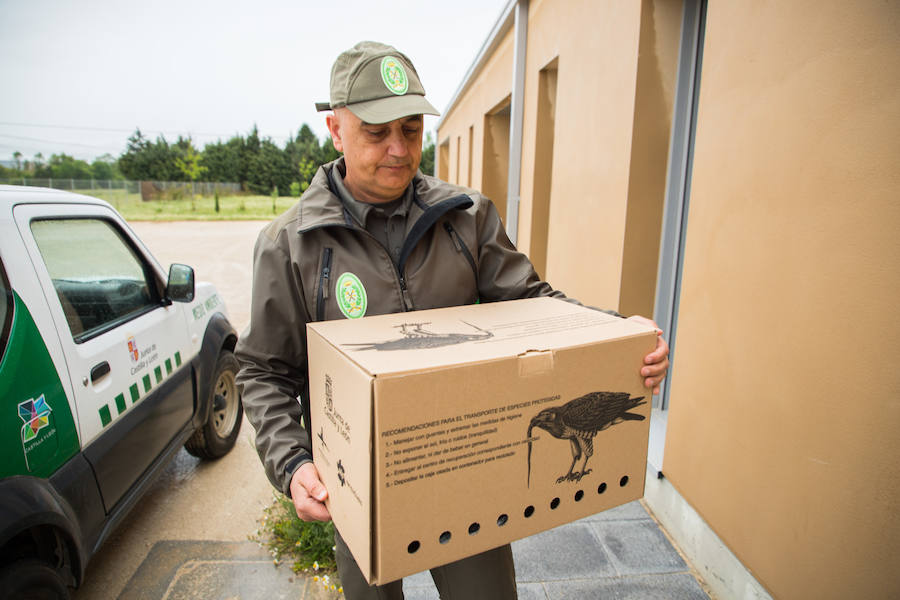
[[147, 189]]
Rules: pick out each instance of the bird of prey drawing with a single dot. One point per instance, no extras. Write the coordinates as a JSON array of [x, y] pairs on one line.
[[579, 420], [416, 337]]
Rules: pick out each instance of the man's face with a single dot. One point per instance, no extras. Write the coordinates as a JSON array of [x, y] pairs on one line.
[[381, 159]]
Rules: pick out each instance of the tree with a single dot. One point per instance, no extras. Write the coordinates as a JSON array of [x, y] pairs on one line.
[[223, 160], [427, 163], [17, 156], [189, 163], [104, 167], [63, 166], [150, 161]]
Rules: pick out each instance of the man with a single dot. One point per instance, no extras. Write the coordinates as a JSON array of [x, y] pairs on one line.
[[403, 241]]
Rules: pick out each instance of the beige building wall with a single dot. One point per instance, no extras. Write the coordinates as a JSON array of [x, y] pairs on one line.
[[784, 427], [592, 207], [594, 46], [490, 89], [784, 430]]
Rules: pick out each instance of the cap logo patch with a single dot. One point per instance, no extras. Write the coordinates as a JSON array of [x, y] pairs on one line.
[[351, 296], [394, 75]]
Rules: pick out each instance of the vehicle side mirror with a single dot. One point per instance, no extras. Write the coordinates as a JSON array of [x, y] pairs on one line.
[[180, 286]]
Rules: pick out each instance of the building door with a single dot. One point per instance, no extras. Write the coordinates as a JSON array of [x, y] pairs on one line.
[[675, 212]]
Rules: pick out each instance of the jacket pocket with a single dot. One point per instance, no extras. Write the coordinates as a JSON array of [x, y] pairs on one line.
[[324, 283]]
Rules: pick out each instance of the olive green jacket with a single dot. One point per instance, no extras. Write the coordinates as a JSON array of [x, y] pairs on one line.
[[455, 252]]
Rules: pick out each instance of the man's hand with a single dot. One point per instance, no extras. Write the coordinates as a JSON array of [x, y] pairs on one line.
[[656, 364], [309, 494]]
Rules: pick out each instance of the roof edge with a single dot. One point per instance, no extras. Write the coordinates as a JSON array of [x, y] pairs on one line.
[[503, 24]]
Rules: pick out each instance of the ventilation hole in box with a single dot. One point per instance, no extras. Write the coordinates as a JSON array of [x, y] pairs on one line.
[[501, 520], [579, 495], [473, 528], [529, 511], [554, 503], [624, 481], [445, 537], [601, 488], [413, 546]]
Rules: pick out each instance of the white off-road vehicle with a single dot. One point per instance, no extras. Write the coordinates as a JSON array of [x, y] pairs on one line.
[[108, 366]]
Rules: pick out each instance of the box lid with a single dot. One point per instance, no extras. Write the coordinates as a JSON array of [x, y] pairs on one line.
[[429, 339]]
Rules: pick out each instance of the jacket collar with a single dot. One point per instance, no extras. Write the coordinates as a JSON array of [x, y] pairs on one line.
[[320, 206]]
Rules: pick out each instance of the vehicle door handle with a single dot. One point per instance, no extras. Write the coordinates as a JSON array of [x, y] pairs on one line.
[[99, 371]]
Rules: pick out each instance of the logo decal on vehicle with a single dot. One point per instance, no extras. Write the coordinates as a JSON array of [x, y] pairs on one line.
[[132, 349], [393, 75], [351, 296], [36, 415], [38, 447]]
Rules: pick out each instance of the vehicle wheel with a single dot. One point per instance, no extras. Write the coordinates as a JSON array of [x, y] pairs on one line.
[[32, 579], [217, 436]]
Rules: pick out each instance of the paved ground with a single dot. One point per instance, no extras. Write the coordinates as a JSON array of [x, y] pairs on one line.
[[189, 537]]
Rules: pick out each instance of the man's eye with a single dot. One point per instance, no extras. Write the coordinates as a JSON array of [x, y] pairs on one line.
[[376, 132], [410, 130]]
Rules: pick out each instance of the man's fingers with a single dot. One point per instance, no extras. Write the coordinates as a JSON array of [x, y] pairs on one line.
[[660, 352], [308, 477], [311, 510], [656, 365], [308, 493]]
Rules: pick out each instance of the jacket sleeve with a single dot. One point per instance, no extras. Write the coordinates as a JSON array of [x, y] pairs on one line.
[[272, 354], [504, 273]]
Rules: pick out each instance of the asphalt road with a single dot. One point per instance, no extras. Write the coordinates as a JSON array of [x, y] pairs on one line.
[[218, 500]]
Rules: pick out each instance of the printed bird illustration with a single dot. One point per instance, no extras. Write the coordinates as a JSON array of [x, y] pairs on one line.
[[579, 420], [416, 337]]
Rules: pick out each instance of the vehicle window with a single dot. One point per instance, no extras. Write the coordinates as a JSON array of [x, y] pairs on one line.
[[6, 309], [99, 279]]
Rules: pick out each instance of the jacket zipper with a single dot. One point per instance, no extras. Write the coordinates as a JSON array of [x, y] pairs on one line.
[[461, 248], [426, 222], [324, 278]]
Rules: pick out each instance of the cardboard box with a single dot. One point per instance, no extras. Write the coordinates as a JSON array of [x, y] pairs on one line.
[[443, 433]]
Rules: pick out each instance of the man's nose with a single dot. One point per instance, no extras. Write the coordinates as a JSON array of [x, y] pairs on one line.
[[397, 144]]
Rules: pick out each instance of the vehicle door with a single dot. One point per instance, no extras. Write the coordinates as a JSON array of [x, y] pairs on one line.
[[126, 348]]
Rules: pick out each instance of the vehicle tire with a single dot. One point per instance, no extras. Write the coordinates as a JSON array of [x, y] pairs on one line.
[[217, 436], [32, 579]]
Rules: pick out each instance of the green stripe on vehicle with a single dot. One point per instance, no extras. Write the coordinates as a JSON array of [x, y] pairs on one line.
[[134, 391], [178, 359], [105, 417]]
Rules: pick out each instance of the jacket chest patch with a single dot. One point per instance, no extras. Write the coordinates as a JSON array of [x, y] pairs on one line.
[[351, 296]]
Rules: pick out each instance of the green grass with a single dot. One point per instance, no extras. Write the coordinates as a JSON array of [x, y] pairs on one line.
[[308, 545], [231, 208]]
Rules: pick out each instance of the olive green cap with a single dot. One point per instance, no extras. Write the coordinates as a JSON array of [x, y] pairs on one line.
[[377, 83]]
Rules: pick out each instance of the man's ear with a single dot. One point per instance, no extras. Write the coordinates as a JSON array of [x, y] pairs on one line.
[[334, 127]]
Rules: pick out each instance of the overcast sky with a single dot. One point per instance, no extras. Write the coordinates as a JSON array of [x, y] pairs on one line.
[[79, 76]]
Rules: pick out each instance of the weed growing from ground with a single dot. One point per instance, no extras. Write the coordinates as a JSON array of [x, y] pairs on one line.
[[309, 546]]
